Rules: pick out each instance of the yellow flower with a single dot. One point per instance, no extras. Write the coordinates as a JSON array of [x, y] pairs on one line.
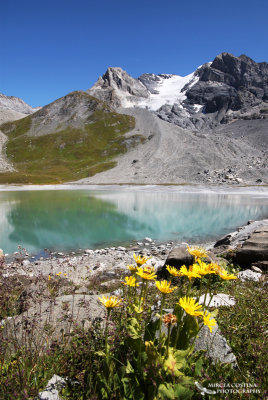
[[140, 260], [191, 273], [197, 252], [110, 302], [190, 306], [132, 268], [164, 287], [210, 323], [215, 267], [169, 319], [130, 281], [173, 271], [203, 268], [59, 273], [148, 269], [224, 275], [146, 274], [49, 277]]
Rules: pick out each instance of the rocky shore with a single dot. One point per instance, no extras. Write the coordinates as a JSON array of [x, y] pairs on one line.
[[247, 245]]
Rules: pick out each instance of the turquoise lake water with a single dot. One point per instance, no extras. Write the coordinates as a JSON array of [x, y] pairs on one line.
[[64, 220]]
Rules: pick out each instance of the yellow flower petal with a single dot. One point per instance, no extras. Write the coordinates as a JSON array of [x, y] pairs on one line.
[[210, 323], [224, 275], [197, 252], [164, 287], [173, 271], [140, 260], [130, 281], [191, 273], [110, 301], [191, 306], [146, 274]]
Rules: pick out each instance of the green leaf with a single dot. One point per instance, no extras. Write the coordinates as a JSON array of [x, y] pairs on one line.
[[100, 353], [129, 368], [182, 392], [198, 367], [165, 391]]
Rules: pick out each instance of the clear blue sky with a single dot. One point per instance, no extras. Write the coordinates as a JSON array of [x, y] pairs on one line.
[[50, 48]]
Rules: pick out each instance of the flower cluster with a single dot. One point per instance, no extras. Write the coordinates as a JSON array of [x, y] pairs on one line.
[[187, 314], [193, 308]]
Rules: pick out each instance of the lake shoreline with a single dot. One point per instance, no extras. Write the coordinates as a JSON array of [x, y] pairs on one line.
[[109, 264], [181, 188]]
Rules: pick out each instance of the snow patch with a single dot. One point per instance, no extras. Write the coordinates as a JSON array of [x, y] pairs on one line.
[[170, 91]]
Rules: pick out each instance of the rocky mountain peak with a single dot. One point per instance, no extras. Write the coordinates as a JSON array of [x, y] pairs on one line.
[[217, 92], [118, 88]]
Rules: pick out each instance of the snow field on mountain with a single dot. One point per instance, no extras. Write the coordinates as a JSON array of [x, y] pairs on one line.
[[169, 91]]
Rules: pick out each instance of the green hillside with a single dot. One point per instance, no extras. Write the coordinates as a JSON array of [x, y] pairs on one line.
[[68, 153]]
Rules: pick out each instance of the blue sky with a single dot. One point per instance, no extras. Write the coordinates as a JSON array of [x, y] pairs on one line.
[[50, 48]]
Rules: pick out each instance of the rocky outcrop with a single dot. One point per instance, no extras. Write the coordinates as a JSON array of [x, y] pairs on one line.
[[48, 320], [117, 88], [248, 246], [254, 249], [231, 83], [215, 345], [227, 89], [220, 92], [177, 257]]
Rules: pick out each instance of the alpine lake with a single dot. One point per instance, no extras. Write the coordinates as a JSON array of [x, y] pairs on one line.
[[75, 217]]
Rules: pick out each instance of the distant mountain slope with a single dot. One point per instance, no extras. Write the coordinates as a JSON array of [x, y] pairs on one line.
[[71, 138], [227, 89], [16, 104], [210, 126], [172, 155]]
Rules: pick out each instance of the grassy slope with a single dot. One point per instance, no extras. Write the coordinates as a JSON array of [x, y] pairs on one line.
[[69, 154]]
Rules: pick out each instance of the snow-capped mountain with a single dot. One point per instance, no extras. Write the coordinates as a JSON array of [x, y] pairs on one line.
[[217, 92]]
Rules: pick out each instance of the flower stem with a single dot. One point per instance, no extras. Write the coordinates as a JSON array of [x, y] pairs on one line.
[[168, 339], [161, 312], [106, 332], [207, 290]]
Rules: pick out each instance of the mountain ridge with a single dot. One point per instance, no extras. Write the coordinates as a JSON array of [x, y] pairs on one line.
[[207, 127], [217, 92]]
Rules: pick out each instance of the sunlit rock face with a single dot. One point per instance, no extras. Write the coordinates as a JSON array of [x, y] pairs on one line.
[[218, 92]]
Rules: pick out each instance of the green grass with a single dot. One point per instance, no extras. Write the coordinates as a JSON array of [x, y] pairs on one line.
[[68, 154]]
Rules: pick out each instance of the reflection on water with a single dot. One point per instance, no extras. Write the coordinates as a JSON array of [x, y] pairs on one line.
[[65, 220]]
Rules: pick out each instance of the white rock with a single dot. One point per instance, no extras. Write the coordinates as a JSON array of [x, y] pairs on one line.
[[256, 269], [249, 275], [25, 262], [148, 239], [51, 390], [120, 248], [220, 299], [118, 292], [89, 251]]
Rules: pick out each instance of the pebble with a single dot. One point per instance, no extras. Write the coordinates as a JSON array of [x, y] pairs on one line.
[[148, 239]]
